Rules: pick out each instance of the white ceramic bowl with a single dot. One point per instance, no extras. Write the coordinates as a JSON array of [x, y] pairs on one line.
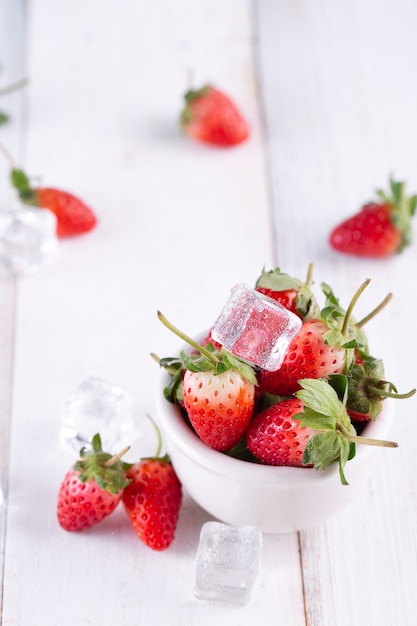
[[273, 499]]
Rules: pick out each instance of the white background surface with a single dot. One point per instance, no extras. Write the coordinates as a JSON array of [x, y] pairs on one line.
[[329, 89]]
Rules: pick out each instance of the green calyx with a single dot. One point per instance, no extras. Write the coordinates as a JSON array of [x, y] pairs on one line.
[[107, 470], [21, 182], [367, 386], [189, 97], [207, 358], [275, 280], [336, 437], [4, 118], [402, 209]]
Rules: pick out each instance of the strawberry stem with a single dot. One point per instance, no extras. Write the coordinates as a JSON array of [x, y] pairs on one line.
[[352, 304], [375, 312], [391, 394], [8, 156], [116, 457], [365, 440], [13, 86], [209, 355], [158, 435], [309, 279]]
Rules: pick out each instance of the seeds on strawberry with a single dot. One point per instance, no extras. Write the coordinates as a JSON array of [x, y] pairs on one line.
[[152, 501], [219, 406], [308, 356], [218, 392], [275, 438], [92, 488], [212, 117]]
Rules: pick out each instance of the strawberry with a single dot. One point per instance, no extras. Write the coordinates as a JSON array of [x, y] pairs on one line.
[[379, 229], [274, 437], [152, 501], [290, 292], [74, 217], [308, 356], [218, 392], [219, 406], [324, 346], [312, 429], [92, 488], [212, 117]]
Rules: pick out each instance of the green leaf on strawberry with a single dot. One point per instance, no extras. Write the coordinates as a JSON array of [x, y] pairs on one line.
[[324, 411]]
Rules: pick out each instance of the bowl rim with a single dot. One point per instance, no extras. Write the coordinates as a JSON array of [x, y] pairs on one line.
[[182, 436]]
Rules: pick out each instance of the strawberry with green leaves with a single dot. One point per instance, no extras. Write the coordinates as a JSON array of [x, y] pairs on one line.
[[323, 346], [311, 429], [218, 392], [210, 116], [153, 499], [92, 488], [379, 229], [73, 216], [290, 292]]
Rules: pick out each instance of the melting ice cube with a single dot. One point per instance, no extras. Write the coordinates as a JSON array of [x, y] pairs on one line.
[[28, 239], [227, 562], [97, 406], [255, 327]]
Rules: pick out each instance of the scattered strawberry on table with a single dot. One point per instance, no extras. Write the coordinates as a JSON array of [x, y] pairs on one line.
[[150, 490], [153, 500], [73, 216], [212, 117], [92, 488], [310, 412], [381, 228]]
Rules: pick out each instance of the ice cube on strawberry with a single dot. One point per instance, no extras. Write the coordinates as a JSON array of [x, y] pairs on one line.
[[255, 327]]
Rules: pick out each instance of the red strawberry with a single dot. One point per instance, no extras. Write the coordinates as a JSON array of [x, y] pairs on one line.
[[308, 356], [210, 116], [290, 292], [274, 437], [74, 217], [153, 501], [219, 406], [218, 392], [91, 489], [380, 229], [324, 346], [312, 429]]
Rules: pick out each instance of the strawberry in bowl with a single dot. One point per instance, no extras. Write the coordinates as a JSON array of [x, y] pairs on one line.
[[300, 451]]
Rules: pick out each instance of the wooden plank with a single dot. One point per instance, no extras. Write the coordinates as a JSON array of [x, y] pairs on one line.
[[12, 32], [340, 114], [180, 224]]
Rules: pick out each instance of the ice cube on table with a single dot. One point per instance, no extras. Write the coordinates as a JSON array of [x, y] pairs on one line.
[[227, 563], [98, 406], [255, 327], [28, 239]]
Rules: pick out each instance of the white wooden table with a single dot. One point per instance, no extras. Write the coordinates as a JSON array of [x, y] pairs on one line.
[[331, 95]]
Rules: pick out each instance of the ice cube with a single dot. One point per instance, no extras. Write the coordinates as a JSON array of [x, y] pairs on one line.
[[227, 562], [255, 327], [28, 239], [98, 406]]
